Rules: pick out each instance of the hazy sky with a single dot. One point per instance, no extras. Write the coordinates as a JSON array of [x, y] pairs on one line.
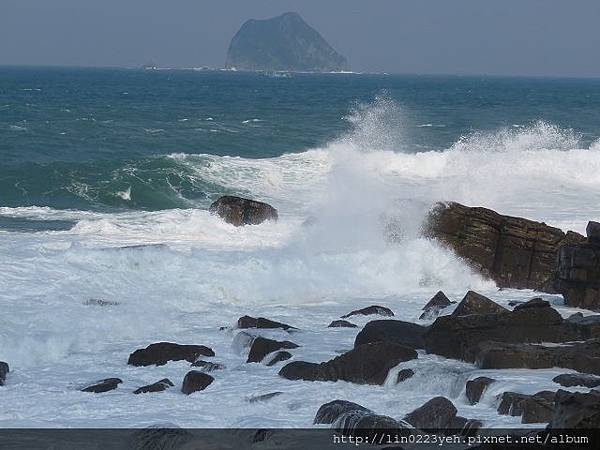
[[518, 37]]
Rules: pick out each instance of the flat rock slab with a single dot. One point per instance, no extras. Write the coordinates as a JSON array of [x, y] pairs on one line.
[[159, 386], [195, 381], [261, 347], [370, 310], [162, 352], [105, 385]]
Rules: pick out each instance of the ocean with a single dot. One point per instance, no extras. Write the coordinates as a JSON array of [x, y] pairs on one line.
[[106, 176]]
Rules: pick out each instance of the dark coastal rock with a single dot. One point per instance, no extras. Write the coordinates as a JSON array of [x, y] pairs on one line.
[[162, 352], [4, 369], [341, 324], [433, 307], [195, 381], [514, 252], [369, 311], [108, 384], [242, 342], [279, 356], [539, 408], [261, 322], [475, 388], [392, 331], [579, 271], [264, 397], [511, 403], [159, 386], [285, 43], [207, 366], [365, 364], [261, 347], [593, 232], [580, 356], [330, 412], [577, 379], [533, 303], [437, 414], [242, 211], [474, 303], [574, 410], [404, 375], [459, 336]]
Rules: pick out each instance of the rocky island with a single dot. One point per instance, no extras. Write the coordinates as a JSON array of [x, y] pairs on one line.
[[282, 43]]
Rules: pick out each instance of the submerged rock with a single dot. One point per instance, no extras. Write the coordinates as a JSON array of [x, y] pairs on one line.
[[475, 388], [370, 310], [240, 211], [264, 397], [365, 364], [207, 366], [105, 385], [195, 381], [261, 347], [577, 379], [261, 322], [404, 375], [4, 369], [393, 331], [434, 306], [514, 252], [159, 386], [162, 352], [575, 410], [279, 356], [341, 324], [242, 342]]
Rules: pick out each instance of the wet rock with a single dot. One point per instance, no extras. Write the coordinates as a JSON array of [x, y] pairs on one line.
[[593, 232], [279, 356], [463, 426], [580, 356], [4, 369], [511, 403], [577, 379], [100, 302], [533, 303], [365, 364], [242, 342], [195, 381], [579, 272], [240, 211], [514, 252], [437, 414], [474, 303], [162, 352], [330, 412], [392, 331], [539, 408], [434, 306], [370, 310], [207, 366], [404, 375], [341, 324], [159, 386], [475, 388], [261, 347], [459, 337], [575, 410], [264, 397], [105, 385], [261, 322]]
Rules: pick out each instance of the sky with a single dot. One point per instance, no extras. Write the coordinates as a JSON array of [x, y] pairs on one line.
[[498, 37]]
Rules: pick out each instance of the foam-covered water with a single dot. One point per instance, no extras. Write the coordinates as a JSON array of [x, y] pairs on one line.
[[348, 236]]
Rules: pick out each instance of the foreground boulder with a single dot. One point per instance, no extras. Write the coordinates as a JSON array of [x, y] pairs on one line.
[[4, 369], [162, 352], [514, 252], [474, 303], [393, 331], [536, 408], [580, 356], [365, 364], [195, 381], [261, 347], [579, 271], [240, 211], [577, 379], [329, 412], [348, 418], [475, 388], [439, 415], [576, 410], [108, 384], [369, 311], [434, 306], [261, 322], [159, 386], [460, 336]]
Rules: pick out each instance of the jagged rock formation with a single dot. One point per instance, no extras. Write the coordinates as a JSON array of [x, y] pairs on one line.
[[282, 43], [240, 211]]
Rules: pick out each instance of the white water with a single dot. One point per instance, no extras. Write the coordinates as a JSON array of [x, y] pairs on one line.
[[198, 273]]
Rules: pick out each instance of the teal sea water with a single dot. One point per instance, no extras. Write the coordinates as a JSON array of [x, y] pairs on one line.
[[115, 139]]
